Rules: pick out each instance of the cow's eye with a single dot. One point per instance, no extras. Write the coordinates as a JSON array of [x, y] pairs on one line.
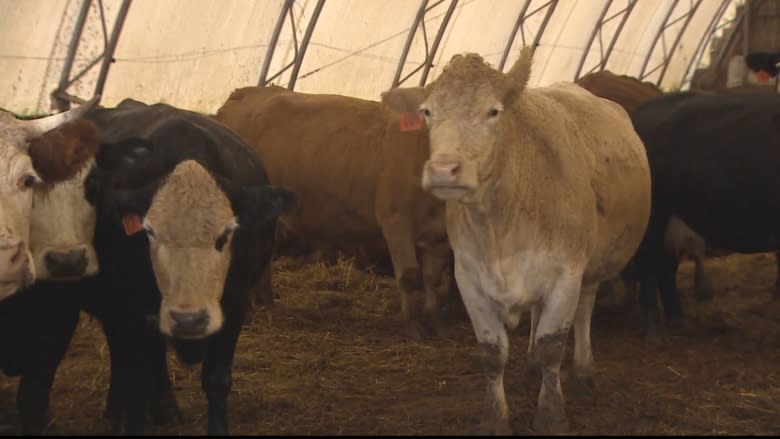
[[494, 112], [29, 180], [425, 112], [149, 231]]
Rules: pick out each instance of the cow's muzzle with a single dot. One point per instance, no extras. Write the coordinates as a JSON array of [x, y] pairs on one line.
[[443, 177], [66, 264], [186, 324]]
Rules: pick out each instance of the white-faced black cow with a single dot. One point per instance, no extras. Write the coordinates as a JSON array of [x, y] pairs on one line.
[[714, 162], [201, 198], [19, 174], [37, 323]]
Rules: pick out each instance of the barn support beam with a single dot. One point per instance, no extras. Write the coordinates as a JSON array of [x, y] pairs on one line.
[[430, 53], [623, 14], [661, 36], [714, 26], [299, 49], [61, 98], [548, 8]]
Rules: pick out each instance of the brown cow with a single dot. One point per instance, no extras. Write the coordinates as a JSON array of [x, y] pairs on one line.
[[357, 179]]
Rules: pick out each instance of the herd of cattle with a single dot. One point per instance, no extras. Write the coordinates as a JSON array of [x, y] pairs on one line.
[[162, 223]]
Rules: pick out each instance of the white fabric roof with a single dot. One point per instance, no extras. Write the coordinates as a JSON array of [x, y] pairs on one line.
[[192, 53]]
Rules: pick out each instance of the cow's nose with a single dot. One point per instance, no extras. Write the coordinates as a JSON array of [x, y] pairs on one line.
[[189, 324], [444, 172], [66, 263]]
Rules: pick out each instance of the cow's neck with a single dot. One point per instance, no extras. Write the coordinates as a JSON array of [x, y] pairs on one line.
[[511, 199]]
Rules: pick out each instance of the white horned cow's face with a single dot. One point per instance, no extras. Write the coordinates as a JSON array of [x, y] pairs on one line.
[[190, 223], [21, 171], [61, 231], [463, 110]]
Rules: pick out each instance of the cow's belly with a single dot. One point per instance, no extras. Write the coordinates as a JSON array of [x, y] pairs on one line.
[[511, 284]]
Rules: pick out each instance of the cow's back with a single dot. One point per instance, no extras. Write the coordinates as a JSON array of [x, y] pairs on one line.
[[716, 157], [625, 90], [179, 135], [339, 155]]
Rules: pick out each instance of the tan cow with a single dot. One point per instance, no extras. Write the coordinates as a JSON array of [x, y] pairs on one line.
[[548, 194], [18, 177], [357, 178]]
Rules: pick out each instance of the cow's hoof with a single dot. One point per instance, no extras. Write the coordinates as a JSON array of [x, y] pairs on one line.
[[436, 325], [167, 414], [494, 428], [413, 332], [582, 384], [550, 422], [704, 294], [411, 279], [532, 372]]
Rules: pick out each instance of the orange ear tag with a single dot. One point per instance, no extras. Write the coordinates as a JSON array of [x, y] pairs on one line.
[[411, 121], [132, 224]]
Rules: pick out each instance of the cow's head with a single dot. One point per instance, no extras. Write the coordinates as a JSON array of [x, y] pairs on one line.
[[190, 218], [21, 171], [464, 111], [63, 222]]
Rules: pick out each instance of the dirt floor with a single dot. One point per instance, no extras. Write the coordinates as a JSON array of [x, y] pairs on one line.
[[331, 359]]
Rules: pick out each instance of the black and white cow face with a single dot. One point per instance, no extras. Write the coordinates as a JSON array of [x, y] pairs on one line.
[[190, 222]]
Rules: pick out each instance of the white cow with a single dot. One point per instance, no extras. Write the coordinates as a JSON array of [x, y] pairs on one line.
[[548, 194]]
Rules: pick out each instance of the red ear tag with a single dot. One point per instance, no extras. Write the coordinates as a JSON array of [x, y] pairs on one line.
[[132, 224], [411, 121]]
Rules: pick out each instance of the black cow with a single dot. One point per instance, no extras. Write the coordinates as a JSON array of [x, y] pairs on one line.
[[202, 200], [714, 162]]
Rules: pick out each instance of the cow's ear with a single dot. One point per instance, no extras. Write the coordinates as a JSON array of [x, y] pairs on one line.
[[263, 204], [406, 99]]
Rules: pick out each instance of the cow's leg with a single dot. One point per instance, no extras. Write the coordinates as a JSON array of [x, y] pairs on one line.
[[646, 265], [582, 376], [263, 289], [216, 374], [494, 349], [435, 260], [164, 408], [36, 382], [555, 319], [702, 282], [667, 285], [116, 400], [398, 234], [532, 367], [777, 276]]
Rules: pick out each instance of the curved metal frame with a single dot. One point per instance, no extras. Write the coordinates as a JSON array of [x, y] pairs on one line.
[[300, 50], [602, 64], [643, 74], [430, 53], [549, 7], [704, 42], [61, 99]]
